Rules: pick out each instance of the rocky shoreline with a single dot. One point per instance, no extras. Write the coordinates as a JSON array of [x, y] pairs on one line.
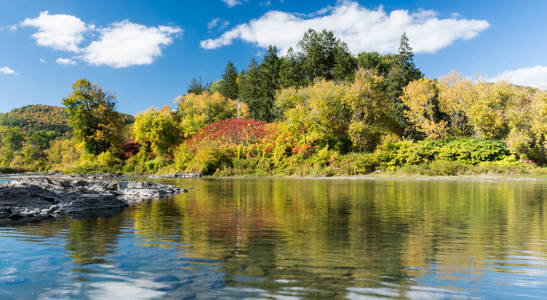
[[28, 198]]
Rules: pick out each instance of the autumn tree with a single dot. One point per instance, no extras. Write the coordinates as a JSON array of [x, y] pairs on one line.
[[372, 112], [487, 112], [11, 141], [527, 119], [340, 115], [196, 111], [455, 95], [421, 99], [317, 114], [157, 129], [93, 117]]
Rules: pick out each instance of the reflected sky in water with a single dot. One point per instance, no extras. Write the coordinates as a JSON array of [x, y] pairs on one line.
[[290, 238]]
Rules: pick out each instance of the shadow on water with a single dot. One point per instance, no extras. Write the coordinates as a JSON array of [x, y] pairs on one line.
[[301, 238]]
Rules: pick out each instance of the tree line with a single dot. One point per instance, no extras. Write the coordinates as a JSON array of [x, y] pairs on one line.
[[317, 109]]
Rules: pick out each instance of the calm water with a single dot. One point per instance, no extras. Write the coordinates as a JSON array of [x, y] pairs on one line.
[[293, 239]]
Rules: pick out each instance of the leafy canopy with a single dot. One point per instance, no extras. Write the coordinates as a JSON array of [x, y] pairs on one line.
[[92, 116]]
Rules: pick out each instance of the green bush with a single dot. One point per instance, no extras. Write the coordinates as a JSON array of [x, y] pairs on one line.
[[355, 164], [182, 157], [136, 164], [393, 154], [105, 162], [473, 150], [208, 160]]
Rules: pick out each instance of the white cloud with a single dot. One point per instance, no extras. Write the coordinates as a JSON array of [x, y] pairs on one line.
[[60, 32], [217, 23], [363, 29], [66, 61], [532, 76], [125, 44], [7, 70], [42, 60], [231, 3], [12, 28]]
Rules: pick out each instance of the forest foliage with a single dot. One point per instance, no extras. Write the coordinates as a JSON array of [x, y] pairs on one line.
[[317, 110]]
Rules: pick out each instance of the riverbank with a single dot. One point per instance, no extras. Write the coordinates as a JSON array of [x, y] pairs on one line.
[[371, 176], [392, 177]]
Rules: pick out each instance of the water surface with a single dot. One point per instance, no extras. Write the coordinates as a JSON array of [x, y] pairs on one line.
[[288, 238]]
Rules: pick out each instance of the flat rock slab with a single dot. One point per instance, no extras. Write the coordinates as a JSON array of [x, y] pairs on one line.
[[42, 197]]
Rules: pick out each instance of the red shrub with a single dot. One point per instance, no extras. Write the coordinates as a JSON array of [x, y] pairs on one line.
[[130, 148], [230, 132]]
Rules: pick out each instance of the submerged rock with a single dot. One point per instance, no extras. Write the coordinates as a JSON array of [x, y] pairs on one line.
[[43, 197]]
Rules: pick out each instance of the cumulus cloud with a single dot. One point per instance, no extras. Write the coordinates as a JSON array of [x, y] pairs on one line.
[[532, 76], [60, 32], [363, 29], [124, 44], [66, 61], [7, 70]]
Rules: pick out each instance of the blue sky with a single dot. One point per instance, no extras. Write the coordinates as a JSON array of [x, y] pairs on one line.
[[148, 51]]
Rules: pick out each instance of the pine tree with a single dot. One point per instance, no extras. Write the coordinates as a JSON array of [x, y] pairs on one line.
[[290, 70], [196, 87], [403, 71], [249, 90], [260, 84], [345, 64], [229, 82], [325, 56]]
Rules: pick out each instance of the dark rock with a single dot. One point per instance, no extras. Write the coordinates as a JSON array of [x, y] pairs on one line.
[[43, 197]]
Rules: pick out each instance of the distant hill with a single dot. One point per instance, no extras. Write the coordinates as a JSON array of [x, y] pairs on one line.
[[43, 117], [37, 117]]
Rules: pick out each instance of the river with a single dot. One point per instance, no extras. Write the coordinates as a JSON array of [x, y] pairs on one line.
[[293, 238]]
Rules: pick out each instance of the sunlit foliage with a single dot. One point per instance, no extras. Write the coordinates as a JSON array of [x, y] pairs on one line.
[[196, 111], [158, 130], [92, 116]]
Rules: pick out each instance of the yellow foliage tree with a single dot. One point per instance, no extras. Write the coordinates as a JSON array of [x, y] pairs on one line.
[[487, 112], [158, 129], [528, 135], [455, 95], [196, 111], [340, 115], [420, 96], [372, 112]]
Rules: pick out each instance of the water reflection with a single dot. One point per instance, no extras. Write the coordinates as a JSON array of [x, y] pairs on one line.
[[302, 238]]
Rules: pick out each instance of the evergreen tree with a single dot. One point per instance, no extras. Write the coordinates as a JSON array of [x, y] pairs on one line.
[[249, 89], [403, 71], [259, 86], [228, 87], [290, 70], [345, 64], [268, 82], [325, 56], [375, 61], [196, 87]]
